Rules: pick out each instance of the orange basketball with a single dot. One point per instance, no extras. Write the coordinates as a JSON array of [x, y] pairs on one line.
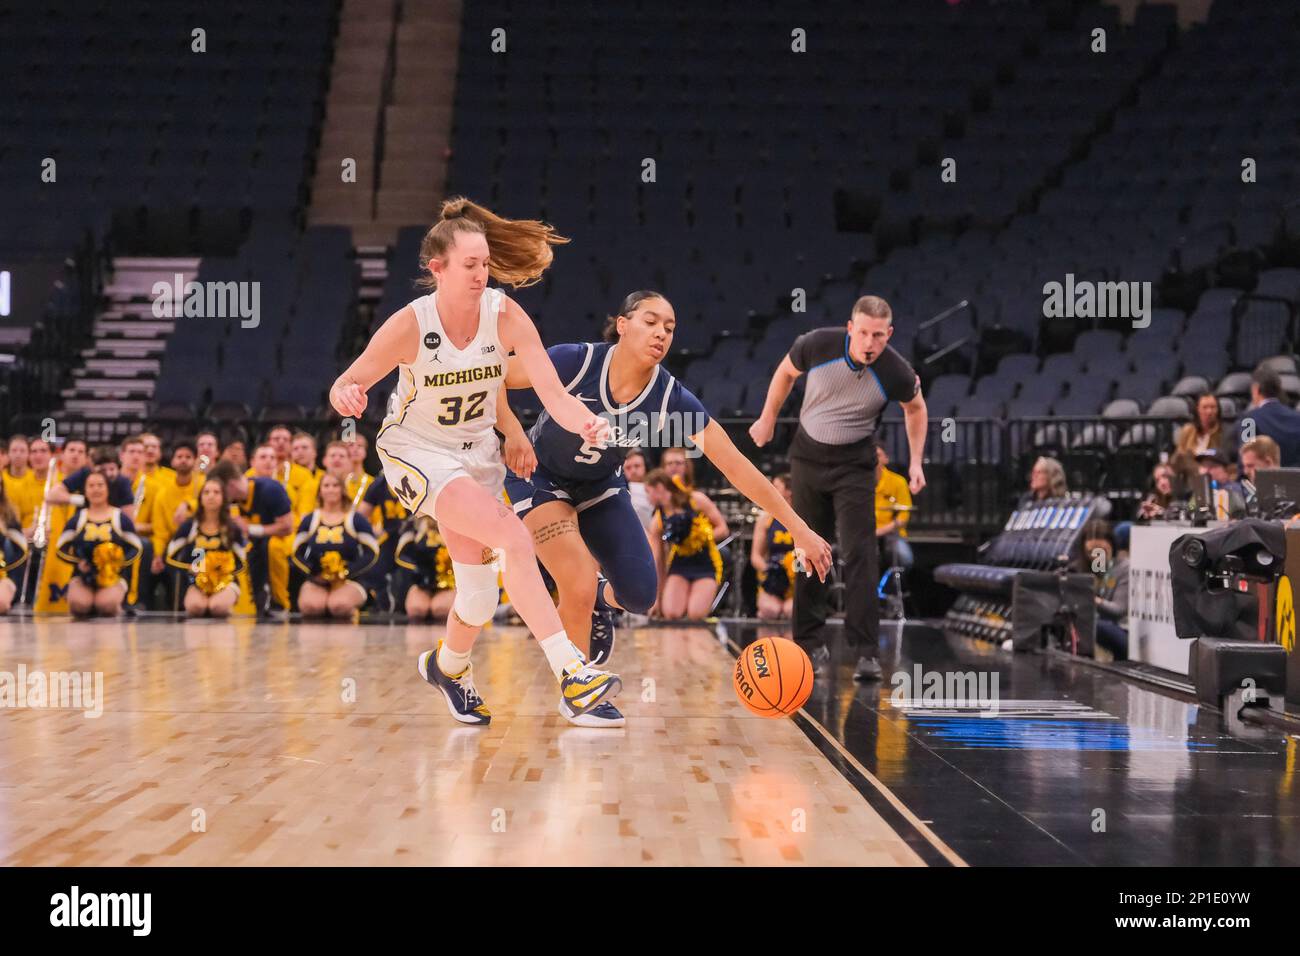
[[773, 677]]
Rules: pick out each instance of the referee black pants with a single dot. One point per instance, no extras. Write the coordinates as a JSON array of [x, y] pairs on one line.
[[839, 502]]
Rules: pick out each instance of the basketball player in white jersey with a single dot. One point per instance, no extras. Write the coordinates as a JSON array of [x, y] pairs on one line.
[[440, 453]]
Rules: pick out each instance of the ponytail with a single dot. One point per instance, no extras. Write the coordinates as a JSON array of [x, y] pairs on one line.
[[520, 249]]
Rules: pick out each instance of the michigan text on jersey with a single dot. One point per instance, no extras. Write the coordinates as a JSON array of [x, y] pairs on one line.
[[477, 374]]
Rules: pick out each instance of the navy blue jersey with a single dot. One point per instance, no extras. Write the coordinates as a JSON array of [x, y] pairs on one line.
[[381, 496], [85, 540], [267, 500], [422, 552], [352, 540], [13, 549], [664, 415], [189, 545], [119, 489]]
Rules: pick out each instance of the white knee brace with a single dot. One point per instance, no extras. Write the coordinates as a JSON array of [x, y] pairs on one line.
[[476, 592]]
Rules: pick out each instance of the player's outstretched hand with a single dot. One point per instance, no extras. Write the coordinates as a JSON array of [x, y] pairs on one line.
[[916, 479], [596, 431], [814, 552], [520, 456], [348, 399], [761, 431]]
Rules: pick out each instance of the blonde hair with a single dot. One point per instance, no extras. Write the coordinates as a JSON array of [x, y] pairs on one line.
[[520, 249], [1264, 447], [1056, 484]]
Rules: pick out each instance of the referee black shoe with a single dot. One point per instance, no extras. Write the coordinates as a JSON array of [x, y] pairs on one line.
[[868, 669], [821, 659]]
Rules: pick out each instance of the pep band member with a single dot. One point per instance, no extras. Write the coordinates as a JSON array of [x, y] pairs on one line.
[[13, 551], [101, 543], [210, 549], [334, 547]]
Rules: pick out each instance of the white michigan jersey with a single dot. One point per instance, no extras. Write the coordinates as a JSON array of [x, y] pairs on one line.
[[448, 396]]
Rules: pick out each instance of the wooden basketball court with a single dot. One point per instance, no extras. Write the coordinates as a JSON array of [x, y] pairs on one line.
[[249, 743]]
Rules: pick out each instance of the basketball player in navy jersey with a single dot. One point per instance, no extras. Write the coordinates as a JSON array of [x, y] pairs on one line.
[[573, 496], [439, 448]]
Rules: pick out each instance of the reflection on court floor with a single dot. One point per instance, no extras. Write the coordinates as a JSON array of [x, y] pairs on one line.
[[245, 744]]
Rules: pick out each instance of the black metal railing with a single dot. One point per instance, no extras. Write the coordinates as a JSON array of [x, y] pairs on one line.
[[975, 468]]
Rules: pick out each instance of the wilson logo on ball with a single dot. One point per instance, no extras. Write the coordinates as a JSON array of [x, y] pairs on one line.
[[743, 686]]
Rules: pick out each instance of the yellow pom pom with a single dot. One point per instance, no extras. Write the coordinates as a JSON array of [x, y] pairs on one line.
[[107, 559]]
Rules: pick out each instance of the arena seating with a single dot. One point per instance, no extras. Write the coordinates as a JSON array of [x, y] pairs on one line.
[[173, 154], [1040, 536], [834, 190], [148, 138]]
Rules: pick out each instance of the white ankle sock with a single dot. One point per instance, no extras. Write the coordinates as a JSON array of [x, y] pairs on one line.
[[560, 652], [452, 663]]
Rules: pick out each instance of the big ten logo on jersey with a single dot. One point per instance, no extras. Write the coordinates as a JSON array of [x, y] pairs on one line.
[[489, 349]]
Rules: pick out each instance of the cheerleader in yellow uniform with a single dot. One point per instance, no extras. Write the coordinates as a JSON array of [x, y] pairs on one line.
[[209, 549], [101, 544], [13, 552], [424, 563], [772, 556], [334, 547], [689, 525]]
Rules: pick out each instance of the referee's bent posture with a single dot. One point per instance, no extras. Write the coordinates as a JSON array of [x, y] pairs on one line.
[[852, 375]]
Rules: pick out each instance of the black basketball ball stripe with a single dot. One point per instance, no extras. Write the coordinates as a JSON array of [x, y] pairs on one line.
[[776, 669], [803, 673]]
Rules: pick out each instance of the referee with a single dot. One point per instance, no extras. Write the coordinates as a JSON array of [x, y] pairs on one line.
[[852, 375]]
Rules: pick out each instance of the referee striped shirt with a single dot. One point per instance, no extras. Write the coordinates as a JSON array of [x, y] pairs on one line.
[[844, 401]]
